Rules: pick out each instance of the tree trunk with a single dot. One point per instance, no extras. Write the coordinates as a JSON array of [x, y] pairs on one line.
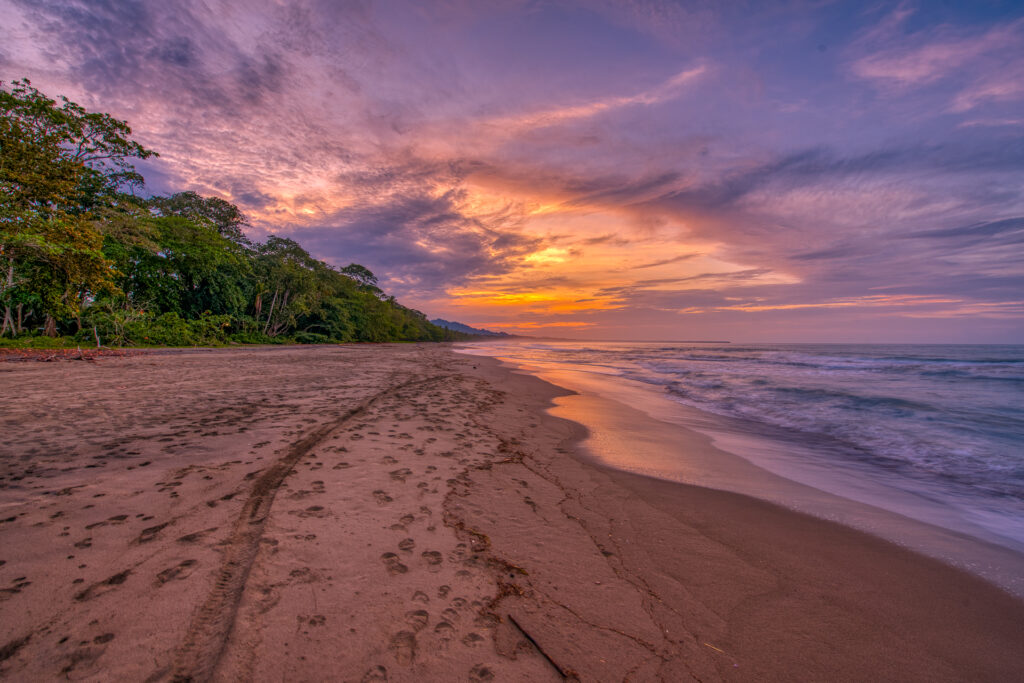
[[19, 328], [50, 328], [278, 327], [8, 320], [270, 315]]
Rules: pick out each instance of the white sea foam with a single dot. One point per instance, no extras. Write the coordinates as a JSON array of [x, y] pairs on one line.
[[946, 422]]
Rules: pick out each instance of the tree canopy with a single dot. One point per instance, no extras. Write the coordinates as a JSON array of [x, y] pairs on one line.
[[82, 254]]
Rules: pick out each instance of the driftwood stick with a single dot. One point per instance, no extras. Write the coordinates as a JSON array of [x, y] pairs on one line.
[[567, 674]]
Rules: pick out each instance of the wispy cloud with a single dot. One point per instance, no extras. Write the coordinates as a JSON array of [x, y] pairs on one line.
[[986, 64], [669, 89]]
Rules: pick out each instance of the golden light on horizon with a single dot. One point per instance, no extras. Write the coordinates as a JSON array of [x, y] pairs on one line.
[[549, 255]]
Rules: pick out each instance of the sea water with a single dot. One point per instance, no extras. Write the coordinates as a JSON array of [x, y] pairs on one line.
[[944, 423]]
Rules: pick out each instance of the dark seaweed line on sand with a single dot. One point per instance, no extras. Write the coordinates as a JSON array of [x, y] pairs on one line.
[[207, 635]]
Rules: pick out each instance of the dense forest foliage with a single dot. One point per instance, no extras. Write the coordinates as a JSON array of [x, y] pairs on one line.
[[85, 257]]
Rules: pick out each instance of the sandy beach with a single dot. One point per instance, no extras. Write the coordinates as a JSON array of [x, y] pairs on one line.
[[408, 513]]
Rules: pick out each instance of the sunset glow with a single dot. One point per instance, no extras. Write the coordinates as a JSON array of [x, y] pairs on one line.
[[643, 170]]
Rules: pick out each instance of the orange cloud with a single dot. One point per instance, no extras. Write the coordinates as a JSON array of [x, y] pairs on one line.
[[876, 300], [540, 325]]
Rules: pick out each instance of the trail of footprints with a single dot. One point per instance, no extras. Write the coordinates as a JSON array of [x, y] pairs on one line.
[[406, 497], [83, 461]]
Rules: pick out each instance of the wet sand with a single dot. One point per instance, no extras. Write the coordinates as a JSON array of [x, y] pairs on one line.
[[406, 513]]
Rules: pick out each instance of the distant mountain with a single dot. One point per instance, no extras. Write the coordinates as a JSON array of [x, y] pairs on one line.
[[466, 329]]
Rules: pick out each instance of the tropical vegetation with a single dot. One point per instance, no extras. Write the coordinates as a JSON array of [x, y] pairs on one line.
[[87, 257]]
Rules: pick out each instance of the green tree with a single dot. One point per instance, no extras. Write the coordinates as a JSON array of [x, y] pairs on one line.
[[224, 216], [182, 267], [77, 244], [58, 164], [285, 272]]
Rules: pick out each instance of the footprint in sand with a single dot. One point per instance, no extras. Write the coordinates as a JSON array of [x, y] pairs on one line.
[[382, 497], [303, 575], [150, 533], [472, 639], [101, 587], [406, 545], [420, 596], [432, 558], [403, 647], [311, 511], [445, 633], [417, 619], [400, 475], [196, 536], [267, 598], [480, 674], [84, 656], [393, 564], [180, 571], [377, 673]]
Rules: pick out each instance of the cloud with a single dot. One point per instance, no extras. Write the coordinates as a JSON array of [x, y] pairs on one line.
[[419, 243], [926, 63], [521, 183], [665, 262], [986, 65], [1006, 85], [669, 89], [1008, 230]]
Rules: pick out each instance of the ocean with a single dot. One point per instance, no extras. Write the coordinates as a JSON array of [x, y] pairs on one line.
[[941, 423]]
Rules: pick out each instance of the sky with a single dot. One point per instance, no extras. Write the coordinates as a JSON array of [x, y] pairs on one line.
[[642, 169]]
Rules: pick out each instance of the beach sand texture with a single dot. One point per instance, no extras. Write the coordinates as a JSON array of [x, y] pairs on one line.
[[407, 513]]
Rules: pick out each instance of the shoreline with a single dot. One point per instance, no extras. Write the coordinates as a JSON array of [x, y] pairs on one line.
[[432, 521], [818, 599], [636, 429]]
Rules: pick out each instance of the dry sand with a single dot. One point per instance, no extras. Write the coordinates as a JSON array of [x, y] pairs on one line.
[[406, 513]]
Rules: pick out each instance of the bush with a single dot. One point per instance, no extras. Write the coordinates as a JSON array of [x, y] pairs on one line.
[[312, 338], [40, 342], [257, 338], [168, 329]]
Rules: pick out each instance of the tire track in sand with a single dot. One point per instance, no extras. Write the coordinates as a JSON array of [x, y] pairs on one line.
[[201, 649]]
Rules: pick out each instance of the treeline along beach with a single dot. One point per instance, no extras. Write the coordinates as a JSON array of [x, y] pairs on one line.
[[85, 255]]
